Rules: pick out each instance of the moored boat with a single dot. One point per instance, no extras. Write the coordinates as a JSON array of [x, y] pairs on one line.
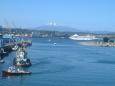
[[21, 58], [15, 48], [2, 61]]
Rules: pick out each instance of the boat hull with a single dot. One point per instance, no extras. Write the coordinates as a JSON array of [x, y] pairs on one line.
[[6, 73]]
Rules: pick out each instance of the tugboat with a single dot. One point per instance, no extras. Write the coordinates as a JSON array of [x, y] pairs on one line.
[[21, 58], [13, 71]]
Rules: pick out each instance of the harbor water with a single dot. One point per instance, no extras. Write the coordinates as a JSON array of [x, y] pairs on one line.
[[64, 62]]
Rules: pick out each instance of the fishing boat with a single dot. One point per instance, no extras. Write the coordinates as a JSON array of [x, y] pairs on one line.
[[15, 48], [2, 61], [21, 58], [12, 71]]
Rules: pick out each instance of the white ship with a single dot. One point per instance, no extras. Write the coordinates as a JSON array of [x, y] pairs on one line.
[[82, 37]]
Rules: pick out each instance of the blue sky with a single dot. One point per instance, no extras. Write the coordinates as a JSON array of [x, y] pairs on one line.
[[94, 15]]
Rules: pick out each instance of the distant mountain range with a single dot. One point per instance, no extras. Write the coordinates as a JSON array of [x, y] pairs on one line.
[[66, 29], [56, 28]]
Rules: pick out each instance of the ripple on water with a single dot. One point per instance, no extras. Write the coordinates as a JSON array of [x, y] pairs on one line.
[[105, 61], [57, 69]]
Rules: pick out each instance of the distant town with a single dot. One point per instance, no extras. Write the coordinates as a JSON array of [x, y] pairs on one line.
[[51, 33]]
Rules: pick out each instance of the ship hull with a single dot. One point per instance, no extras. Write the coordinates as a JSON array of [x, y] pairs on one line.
[[6, 73]]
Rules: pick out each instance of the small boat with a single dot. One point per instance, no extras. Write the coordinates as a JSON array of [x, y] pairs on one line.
[[15, 48], [2, 61], [12, 71], [54, 43], [49, 40]]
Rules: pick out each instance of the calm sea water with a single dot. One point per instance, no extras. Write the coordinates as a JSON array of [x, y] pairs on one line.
[[65, 64]]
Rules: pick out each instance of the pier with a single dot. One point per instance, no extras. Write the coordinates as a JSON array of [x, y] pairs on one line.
[[7, 43]]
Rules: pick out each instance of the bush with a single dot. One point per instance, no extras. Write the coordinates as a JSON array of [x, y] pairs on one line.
[[111, 41], [105, 39]]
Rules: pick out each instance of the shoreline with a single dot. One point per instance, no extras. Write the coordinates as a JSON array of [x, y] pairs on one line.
[[98, 43]]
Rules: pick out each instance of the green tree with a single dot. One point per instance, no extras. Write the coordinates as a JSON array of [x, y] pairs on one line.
[[105, 39], [111, 41]]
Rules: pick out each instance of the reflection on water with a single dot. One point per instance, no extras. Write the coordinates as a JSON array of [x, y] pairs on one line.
[[66, 64]]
